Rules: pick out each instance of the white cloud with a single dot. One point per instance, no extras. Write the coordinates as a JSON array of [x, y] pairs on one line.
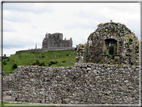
[[27, 24], [27, 7]]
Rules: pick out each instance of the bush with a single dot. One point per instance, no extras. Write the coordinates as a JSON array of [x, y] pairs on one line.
[[14, 66], [8, 59], [43, 56], [52, 62], [36, 63], [42, 64], [63, 61], [4, 62], [67, 54], [108, 57]]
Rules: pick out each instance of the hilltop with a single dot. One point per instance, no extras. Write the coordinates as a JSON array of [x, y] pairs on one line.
[[48, 59]]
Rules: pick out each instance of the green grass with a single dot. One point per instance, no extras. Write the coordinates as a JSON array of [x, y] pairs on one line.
[[7, 104], [51, 58]]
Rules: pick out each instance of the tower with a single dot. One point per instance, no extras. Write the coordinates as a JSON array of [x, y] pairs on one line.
[[36, 46]]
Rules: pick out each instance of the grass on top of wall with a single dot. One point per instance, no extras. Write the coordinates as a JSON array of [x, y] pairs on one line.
[[49, 59]]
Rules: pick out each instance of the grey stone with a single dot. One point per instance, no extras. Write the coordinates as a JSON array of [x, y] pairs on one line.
[[73, 85]]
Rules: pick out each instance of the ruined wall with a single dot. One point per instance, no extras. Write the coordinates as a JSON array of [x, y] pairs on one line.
[[45, 50], [80, 53], [112, 43], [80, 84]]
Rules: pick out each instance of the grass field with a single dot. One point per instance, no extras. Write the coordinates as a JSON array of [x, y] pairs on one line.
[[51, 58], [7, 104]]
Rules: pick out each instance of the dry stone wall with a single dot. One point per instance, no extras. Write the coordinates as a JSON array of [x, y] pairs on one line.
[[80, 84]]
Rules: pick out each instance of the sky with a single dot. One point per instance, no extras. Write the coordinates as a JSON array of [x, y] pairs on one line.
[[25, 24]]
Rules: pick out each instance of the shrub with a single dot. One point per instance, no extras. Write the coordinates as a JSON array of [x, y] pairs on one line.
[[63, 61], [14, 66], [42, 64], [4, 62], [8, 59], [52, 62], [36, 63], [105, 52], [108, 57]]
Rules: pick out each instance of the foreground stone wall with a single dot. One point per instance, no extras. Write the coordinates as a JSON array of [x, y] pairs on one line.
[[8, 84], [80, 84]]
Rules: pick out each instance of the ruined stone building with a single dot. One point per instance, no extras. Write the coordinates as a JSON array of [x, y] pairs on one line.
[[52, 42], [55, 40], [111, 43]]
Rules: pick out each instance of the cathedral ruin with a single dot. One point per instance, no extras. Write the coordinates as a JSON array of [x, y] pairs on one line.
[[110, 43], [55, 40], [52, 42]]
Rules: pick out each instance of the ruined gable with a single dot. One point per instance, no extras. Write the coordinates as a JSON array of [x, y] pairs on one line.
[[112, 43]]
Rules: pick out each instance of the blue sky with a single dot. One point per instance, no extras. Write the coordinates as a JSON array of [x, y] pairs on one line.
[[25, 24]]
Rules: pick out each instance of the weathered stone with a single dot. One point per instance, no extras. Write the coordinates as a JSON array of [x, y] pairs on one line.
[[74, 85], [112, 44]]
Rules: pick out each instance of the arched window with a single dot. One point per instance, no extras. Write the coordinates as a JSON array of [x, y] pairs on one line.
[[111, 46]]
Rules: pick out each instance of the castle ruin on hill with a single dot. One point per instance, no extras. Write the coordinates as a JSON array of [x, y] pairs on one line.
[[53, 42], [110, 43], [56, 41]]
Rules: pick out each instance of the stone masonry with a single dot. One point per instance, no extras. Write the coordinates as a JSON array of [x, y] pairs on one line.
[[86, 83], [111, 43]]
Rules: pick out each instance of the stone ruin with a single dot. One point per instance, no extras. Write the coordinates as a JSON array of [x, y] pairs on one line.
[[52, 42], [55, 40], [111, 43]]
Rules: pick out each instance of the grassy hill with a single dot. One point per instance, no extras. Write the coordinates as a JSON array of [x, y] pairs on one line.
[[50, 58]]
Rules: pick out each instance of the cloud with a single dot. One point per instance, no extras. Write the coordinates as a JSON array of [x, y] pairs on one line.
[[14, 40], [27, 7], [7, 27], [15, 16]]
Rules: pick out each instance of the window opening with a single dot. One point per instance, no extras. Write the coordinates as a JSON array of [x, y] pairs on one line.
[[111, 46]]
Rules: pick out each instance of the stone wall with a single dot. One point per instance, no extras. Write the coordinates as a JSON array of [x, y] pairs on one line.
[[80, 53], [86, 83], [8, 84], [45, 50]]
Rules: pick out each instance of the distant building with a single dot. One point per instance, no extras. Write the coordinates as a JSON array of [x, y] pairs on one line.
[[52, 42], [55, 40]]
